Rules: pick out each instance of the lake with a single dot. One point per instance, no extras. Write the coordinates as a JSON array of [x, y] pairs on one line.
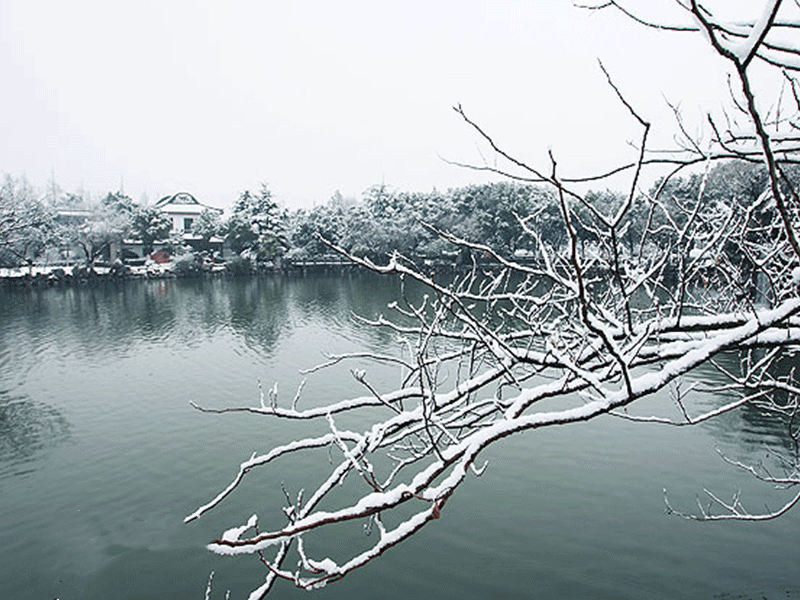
[[101, 458]]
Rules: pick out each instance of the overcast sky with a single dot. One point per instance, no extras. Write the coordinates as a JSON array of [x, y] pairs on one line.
[[213, 97]]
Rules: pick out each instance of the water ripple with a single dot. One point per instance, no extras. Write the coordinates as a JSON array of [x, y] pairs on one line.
[[27, 429]]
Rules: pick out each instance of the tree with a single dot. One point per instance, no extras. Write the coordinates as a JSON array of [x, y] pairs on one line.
[[26, 225], [118, 203], [208, 225], [257, 225], [581, 332], [95, 227], [328, 221], [149, 225]]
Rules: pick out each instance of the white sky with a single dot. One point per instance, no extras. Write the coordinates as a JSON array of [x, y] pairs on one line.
[[213, 97]]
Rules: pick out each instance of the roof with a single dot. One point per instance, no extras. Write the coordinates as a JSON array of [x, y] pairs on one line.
[[183, 202], [179, 198], [78, 212]]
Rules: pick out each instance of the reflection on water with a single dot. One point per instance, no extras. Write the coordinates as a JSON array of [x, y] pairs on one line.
[[751, 429], [96, 415]]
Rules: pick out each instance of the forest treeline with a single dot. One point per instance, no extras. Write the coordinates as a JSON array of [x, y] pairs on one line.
[[510, 218]]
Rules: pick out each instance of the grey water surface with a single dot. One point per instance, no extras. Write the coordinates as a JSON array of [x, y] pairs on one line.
[[101, 458]]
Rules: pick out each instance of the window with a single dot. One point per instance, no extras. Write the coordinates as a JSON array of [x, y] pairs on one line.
[[187, 224]]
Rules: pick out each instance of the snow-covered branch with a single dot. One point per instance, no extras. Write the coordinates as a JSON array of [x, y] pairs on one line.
[[618, 297]]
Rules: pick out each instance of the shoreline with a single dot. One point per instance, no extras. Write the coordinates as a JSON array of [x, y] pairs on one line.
[[58, 276]]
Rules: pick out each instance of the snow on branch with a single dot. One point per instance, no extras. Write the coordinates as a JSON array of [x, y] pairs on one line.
[[616, 297]]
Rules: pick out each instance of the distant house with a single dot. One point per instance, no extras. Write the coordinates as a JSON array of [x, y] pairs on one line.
[[184, 210]]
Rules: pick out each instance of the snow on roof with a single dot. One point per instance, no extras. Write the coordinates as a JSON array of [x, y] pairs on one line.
[[179, 198], [183, 203]]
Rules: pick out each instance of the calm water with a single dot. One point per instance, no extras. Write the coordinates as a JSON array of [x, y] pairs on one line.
[[101, 457]]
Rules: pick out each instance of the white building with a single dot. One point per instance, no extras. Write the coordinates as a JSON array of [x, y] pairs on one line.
[[184, 210]]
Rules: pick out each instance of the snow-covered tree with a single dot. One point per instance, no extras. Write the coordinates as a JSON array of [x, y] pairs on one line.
[[581, 331], [149, 225], [119, 204], [208, 225], [94, 227], [26, 225], [257, 225]]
